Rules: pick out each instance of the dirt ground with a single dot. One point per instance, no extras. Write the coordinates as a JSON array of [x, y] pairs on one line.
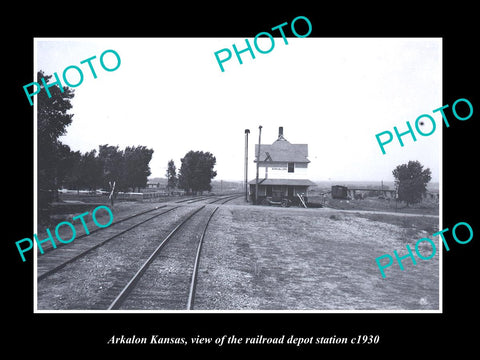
[[267, 258], [273, 258]]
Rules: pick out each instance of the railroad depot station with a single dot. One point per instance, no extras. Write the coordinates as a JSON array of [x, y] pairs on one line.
[[282, 173]]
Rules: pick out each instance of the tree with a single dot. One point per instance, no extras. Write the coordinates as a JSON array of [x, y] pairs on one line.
[[411, 181], [91, 170], [113, 165], [52, 155], [73, 180], [196, 171], [128, 168], [84, 172], [137, 170], [171, 175]]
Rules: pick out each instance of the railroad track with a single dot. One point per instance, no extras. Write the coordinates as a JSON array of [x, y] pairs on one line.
[[189, 200], [51, 262], [222, 197], [167, 279], [180, 249], [47, 248], [226, 199]]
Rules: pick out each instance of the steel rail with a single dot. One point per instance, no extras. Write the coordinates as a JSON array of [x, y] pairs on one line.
[[48, 249], [197, 200], [130, 285], [82, 254], [228, 198], [191, 200], [193, 281]]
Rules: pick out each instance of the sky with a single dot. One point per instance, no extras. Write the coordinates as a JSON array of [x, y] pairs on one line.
[[334, 94]]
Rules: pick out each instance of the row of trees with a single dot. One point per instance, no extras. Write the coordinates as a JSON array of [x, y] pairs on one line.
[[128, 168]]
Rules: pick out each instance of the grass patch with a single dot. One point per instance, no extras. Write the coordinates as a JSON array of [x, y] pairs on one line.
[[415, 223]]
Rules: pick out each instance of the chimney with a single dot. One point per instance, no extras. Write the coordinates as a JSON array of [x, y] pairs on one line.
[[280, 133]]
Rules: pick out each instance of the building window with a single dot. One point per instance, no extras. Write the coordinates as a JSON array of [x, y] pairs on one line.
[[291, 167]]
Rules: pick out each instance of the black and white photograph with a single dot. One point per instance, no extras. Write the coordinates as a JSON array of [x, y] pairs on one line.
[[239, 190]]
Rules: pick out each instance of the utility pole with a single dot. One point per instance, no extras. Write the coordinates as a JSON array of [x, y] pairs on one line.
[[258, 162], [396, 196], [246, 164]]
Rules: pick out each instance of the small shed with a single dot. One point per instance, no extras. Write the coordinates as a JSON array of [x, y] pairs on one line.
[[339, 192]]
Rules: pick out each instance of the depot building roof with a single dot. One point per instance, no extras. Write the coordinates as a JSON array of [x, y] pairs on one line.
[[282, 151], [292, 182]]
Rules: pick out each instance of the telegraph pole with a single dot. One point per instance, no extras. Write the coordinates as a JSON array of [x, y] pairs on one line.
[[246, 164], [258, 162]]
